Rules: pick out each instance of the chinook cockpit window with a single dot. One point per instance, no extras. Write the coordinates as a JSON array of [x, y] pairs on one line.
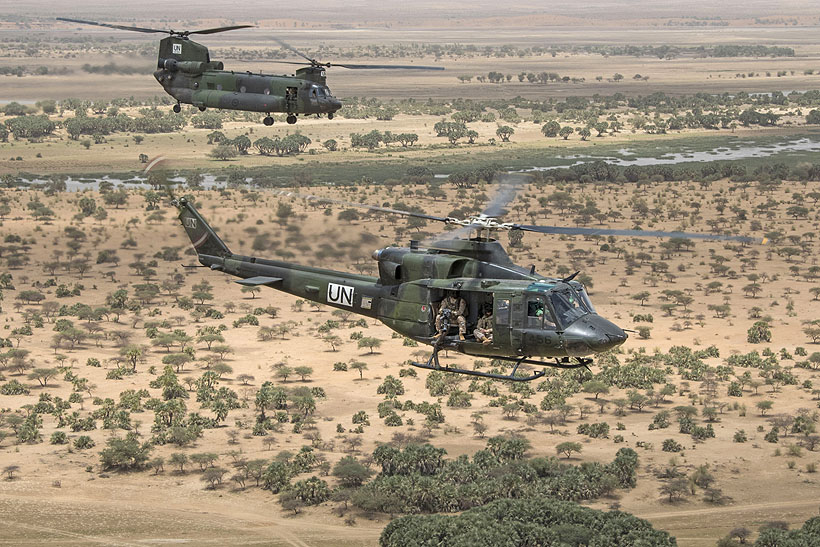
[[568, 306]]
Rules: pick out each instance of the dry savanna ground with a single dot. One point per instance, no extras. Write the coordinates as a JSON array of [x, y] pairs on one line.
[[708, 295], [63, 50], [59, 494]]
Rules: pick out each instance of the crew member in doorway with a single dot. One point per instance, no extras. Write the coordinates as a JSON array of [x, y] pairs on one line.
[[484, 328], [457, 308]]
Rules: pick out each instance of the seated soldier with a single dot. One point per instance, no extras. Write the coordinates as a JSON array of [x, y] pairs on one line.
[[484, 329], [457, 307]]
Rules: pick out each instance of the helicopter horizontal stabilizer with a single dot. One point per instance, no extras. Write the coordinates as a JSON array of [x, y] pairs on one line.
[[259, 280]]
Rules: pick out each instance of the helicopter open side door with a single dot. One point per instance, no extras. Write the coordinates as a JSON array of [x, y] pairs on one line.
[[291, 99]]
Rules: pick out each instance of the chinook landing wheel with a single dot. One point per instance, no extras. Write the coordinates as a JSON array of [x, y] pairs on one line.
[[291, 119], [201, 109], [177, 108], [268, 120], [330, 116]]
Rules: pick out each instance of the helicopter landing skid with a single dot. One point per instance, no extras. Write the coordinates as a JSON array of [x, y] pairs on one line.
[[434, 364]]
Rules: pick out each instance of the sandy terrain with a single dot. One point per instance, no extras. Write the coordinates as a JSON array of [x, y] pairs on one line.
[[61, 497], [173, 506]]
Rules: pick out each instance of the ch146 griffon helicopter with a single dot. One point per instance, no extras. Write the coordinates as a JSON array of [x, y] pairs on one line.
[[533, 316], [185, 71]]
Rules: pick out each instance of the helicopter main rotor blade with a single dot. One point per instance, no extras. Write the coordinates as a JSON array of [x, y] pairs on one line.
[[509, 186], [564, 230], [154, 30], [322, 199], [108, 25], [217, 29], [379, 67], [328, 65], [290, 48]]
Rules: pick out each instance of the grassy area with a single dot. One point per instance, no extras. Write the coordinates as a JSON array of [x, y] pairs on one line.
[[393, 163]]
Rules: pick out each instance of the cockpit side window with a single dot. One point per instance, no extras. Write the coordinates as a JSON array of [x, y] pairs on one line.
[[538, 315], [568, 306]]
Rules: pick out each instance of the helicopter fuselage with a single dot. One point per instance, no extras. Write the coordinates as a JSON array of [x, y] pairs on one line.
[[246, 91], [185, 71], [533, 316]]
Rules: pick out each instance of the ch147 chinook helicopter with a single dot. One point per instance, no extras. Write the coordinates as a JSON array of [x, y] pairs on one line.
[[185, 71], [533, 316]]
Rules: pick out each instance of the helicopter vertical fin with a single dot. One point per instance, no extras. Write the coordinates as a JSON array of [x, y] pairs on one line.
[[202, 236]]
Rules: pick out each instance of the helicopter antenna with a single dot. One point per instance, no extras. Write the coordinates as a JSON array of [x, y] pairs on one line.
[[571, 277]]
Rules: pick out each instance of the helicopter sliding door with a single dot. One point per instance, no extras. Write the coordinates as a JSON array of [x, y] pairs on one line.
[[502, 308]]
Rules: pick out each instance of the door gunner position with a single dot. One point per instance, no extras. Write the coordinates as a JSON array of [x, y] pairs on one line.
[[457, 308]]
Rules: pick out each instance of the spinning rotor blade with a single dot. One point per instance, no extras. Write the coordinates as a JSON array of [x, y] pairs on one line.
[[292, 49], [108, 25], [564, 230], [152, 30], [509, 185], [314, 62], [217, 29], [321, 199], [403, 67]]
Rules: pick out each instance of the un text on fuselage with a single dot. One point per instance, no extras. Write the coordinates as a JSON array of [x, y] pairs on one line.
[[340, 294]]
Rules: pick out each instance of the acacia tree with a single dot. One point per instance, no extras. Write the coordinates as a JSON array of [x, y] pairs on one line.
[[370, 342], [303, 372], [361, 367], [568, 448], [43, 375], [505, 132]]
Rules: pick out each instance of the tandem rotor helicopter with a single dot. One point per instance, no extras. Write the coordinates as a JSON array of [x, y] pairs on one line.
[[186, 72], [530, 318]]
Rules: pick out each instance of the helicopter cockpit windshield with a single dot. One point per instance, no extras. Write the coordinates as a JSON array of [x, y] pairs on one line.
[[320, 91], [569, 305]]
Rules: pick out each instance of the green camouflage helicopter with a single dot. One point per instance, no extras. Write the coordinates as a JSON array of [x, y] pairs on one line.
[[534, 317], [185, 71]]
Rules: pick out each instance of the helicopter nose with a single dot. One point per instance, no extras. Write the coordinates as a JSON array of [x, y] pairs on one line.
[[335, 103], [593, 334]]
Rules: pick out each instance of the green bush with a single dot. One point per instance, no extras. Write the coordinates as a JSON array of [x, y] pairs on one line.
[[83, 442], [532, 521], [14, 388], [596, 430], [59, 437], [671, 445]]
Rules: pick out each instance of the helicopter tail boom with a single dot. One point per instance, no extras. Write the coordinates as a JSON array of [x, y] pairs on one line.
[[202, 236]]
